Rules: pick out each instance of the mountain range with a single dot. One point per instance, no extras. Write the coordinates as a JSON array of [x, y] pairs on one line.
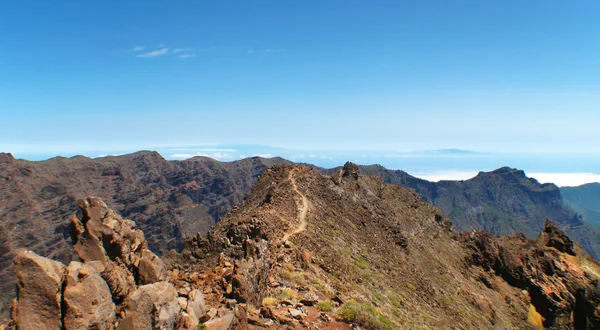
[[172, 201], [307, 250]]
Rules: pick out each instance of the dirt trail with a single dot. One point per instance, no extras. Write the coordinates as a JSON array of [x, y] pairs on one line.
[[303, 211]]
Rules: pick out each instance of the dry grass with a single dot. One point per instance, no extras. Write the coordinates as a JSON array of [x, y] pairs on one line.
[[535, 318], [269, 301]]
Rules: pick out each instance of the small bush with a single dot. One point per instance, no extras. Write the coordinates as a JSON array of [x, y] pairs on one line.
[[410, 286], [366, 315], [201, 327], [325, 306]]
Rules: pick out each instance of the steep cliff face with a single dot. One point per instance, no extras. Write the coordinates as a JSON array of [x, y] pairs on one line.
[[503, 201], [169, 200]]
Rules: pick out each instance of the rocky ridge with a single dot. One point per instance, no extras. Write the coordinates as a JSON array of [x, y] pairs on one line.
[[379, 257], [358, 251]]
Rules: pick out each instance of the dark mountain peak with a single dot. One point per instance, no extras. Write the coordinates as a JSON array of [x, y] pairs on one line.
[[350, 170], [508, 170]]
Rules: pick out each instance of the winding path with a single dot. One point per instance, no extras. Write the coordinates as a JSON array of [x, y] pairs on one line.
[[303, 211]]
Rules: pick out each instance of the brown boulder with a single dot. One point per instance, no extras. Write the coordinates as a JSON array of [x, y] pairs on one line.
[[151, 306], [220, 323], [39, 286], [87, 299], [151, 268]]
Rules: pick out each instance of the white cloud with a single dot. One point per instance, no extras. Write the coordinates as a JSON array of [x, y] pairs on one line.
[[445, 175], [264, 155], [186, 55], [181, 50], [566, 179], [138, 48], [155, 53]]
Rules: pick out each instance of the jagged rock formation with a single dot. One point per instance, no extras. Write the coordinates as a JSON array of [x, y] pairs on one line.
[[169, 200], [563, 284], [503, 201], [119, 285]]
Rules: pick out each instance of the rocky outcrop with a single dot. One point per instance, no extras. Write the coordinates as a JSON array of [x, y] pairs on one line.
[[119, 284], [562, 284], [552, 236], [100, 234], [39, 287]]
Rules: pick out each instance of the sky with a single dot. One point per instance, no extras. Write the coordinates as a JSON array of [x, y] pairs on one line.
[[498, 77]]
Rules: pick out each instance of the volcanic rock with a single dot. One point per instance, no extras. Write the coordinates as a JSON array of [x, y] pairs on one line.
[[87, 299], [39, 286]]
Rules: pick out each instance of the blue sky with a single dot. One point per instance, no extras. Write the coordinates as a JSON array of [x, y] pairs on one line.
[[491, 76]]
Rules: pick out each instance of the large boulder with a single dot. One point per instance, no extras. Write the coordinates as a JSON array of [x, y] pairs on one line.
[[99, 234], [87, 300], [151, 306], [39, 286]]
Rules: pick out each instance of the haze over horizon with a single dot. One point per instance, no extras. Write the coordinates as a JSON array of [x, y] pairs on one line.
[[517, 81]]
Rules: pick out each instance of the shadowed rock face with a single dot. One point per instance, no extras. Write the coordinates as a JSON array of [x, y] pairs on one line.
[[169, 200], [562, 282]]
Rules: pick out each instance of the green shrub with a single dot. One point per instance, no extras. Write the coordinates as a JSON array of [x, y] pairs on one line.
[[325, 306], [364, 314], [201, 327]]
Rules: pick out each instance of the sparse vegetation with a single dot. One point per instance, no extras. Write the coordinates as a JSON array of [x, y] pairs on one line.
[[269, 301], [364, 314], [202, 327], [325, 305], [361, 263]]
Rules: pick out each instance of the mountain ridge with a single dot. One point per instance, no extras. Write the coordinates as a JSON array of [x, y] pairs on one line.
[[306, 250]]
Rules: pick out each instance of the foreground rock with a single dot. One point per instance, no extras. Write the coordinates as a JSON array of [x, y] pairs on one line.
[[119, 285], [87, 299], [39, 284]]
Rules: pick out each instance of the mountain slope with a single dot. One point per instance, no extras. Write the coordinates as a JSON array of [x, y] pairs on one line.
[[584, 199], [503, 201], [169, 200], [378, 255]]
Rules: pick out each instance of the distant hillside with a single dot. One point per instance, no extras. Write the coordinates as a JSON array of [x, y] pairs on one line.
[[169, 200], [585, 200], [503, 201]]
